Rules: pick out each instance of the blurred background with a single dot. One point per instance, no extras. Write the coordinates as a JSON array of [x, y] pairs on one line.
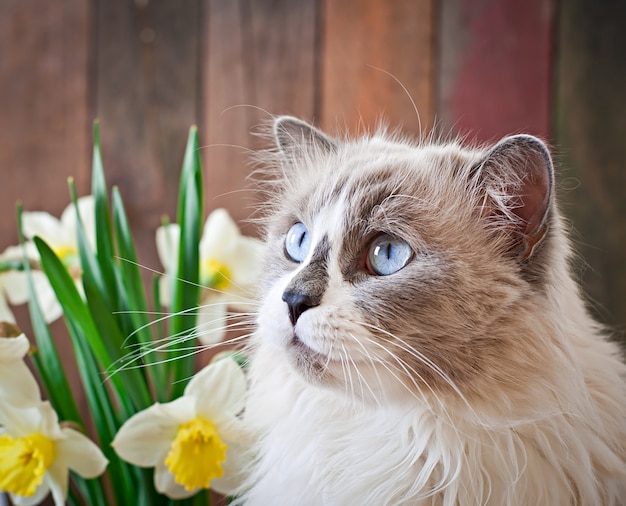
[[149, 69]]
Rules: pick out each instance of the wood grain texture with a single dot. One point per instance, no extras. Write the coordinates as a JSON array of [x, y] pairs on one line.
[[591, 136], [365, 41], [147, 82], [495, 67], [44, 120], [259, 61]]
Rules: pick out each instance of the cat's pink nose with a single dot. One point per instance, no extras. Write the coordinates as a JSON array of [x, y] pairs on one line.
[[298, 302]]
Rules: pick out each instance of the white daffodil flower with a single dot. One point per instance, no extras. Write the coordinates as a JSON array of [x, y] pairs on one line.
[[36, 454], [196, 441], [17, 384], [6, 315], [60, 235], [230, 268]]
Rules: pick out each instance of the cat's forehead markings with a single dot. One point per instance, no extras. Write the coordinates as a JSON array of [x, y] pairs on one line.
[[329, 221]]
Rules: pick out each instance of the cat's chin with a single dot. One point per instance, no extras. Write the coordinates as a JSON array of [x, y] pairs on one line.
[[310, 364]]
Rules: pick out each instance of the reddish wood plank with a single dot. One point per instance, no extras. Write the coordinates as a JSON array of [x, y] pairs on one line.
[[44, 124], [495, 67], [590, 136], [259, 56], [395, 36]]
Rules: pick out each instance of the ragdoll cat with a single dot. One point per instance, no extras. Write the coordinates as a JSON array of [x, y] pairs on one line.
[[421, 340]]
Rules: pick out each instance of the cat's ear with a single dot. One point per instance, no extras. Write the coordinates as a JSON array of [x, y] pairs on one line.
[[517, 179], [294, 136]]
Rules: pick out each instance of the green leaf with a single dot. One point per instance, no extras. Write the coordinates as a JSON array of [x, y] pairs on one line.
[[133, 299], [186, 290], [77, 312], [104, 238]]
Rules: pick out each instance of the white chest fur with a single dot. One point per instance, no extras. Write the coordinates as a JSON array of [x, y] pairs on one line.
[[319, 450]]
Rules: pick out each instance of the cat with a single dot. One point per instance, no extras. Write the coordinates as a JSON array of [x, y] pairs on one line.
[[420, 338]]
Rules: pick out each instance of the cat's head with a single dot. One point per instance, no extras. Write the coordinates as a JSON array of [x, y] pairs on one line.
[[397, 269]]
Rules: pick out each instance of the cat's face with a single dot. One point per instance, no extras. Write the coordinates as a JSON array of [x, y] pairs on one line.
[[395, 269]]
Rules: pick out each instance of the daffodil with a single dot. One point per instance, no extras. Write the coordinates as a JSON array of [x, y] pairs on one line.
[[60, 235], [196, 441], [17, 384], [36, 454], [230, 268], [6, 315]]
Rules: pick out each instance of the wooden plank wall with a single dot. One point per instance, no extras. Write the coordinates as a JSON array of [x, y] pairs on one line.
[[151, 68]]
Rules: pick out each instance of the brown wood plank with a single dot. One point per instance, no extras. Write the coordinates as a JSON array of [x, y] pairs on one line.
[[259, 61], [44, 118], [395, 36], [495, 70], [148, 95], [590, 135]]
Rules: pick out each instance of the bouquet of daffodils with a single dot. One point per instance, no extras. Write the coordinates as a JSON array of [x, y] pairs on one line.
[[155, 430]]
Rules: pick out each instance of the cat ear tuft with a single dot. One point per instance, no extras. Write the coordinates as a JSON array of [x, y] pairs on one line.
[[518, 178], [293, 135]]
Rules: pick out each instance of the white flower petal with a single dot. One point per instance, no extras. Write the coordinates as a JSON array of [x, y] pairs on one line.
[[165, 483], [58, 477], [20, 421], [246, 261], [17, 384], [167, 239], [80, 454], [49, 421], [165, 290], [219, 234], [46, 226], [13, 348], [235, 468], [50, 306], [6, 315], [15, 285], [143, 436], [180, 410], [16, 288], [218, 388], [212, 320], [16, 252], [86, 209]]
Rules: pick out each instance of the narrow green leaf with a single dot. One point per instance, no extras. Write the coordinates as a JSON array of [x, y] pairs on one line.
[[77, 312], [186, 291], [133, 294], [104, 237]]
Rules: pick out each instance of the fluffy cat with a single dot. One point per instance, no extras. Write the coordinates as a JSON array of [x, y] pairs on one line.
[[421, 340]]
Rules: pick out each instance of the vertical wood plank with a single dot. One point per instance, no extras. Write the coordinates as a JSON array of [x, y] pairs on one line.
[[147, 96], [494, 65], [590, 133], [361, 37], [44, 117], [259, 61]]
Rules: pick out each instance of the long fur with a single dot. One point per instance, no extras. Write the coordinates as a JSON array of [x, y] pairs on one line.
[[473, 376]]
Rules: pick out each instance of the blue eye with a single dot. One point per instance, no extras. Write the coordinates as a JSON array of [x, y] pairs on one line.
[[297, 242], [387, 255]]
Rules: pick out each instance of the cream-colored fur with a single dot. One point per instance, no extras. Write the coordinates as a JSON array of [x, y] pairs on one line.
[[472, 376]]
